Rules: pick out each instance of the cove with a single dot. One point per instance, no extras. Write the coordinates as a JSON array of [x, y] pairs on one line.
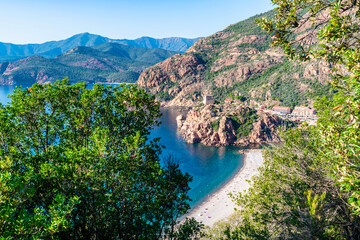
[[210, 167]]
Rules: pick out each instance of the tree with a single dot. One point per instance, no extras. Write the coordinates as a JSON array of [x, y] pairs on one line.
[[309, 187], [190, 229], [328, 31], [293, 197], [77, 163]]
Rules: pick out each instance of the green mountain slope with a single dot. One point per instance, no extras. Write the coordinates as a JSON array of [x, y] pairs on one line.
[[236, 63], [52, 49], [109, 62], [141, 54]]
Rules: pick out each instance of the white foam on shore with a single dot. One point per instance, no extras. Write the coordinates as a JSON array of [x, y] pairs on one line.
[[219, 205]]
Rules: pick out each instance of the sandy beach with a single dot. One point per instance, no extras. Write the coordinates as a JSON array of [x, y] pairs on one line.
[[219, 205]]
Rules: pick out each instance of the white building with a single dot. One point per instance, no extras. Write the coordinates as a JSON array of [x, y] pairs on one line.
[[303, 112]]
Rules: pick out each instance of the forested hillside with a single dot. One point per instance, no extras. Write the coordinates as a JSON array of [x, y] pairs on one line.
[[109, 62]]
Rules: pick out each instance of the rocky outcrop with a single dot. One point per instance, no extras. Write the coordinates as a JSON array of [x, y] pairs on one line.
[[224, 125], [171, 71], [237, 60]]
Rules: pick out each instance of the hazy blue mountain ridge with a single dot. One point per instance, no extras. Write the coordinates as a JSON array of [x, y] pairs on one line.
[[176, 44], [109, 62], [9, 51]]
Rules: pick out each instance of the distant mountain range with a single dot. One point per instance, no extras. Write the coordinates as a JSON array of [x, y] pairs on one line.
[[108, 62], [9, 51]]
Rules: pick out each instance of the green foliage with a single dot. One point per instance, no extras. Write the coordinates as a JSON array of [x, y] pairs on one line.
[[243, 125], [315, 204], [212, 75], [336, 39], [258, 46], [249, 26], [293, 197], [126, 76], [215, 125], [284, 89], [199, 106], [164, 96], [309, 186], [190, 229], [77, 163]]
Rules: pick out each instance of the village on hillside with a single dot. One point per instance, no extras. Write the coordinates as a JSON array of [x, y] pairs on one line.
[[298, 114]]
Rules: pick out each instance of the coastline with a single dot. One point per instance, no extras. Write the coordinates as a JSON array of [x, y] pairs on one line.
[[219, 205]]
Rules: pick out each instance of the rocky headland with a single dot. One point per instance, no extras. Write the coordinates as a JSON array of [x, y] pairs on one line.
[[230, 125], [235, 65]]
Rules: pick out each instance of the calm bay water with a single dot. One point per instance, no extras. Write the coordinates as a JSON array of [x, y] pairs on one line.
[[210, 167]]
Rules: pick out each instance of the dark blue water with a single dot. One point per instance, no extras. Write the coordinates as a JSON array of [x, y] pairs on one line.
[[210, 167]]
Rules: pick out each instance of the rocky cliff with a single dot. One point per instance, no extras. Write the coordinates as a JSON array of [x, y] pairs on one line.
[[236, 63], [227, 124]]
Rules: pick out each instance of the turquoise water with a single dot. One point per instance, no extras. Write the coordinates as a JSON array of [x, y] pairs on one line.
[[210, 167], [4, 91]]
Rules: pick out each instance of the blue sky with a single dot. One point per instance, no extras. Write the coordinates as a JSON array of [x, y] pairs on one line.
[[37, 21]]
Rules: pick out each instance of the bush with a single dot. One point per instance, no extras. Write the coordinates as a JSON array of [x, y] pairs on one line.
[[81, 166]]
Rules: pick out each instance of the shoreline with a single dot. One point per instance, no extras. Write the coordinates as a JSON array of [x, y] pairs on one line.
[[219, 187], [219, 205]]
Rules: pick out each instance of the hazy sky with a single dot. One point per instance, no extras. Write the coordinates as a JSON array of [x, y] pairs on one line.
[[37, 21]]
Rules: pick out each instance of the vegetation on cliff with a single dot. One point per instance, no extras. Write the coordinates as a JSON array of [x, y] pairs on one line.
[[337, 34], [237, 62], [309, 186], [230, 124]]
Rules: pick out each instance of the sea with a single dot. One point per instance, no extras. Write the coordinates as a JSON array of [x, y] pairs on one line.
[[210, 167]]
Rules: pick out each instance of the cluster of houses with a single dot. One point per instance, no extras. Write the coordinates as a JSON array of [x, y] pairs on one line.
[[299, 113]]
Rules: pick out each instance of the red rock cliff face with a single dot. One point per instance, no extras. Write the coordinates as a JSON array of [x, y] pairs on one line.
[[171, 70], [214, 125], [224, 59], [180, 76]]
